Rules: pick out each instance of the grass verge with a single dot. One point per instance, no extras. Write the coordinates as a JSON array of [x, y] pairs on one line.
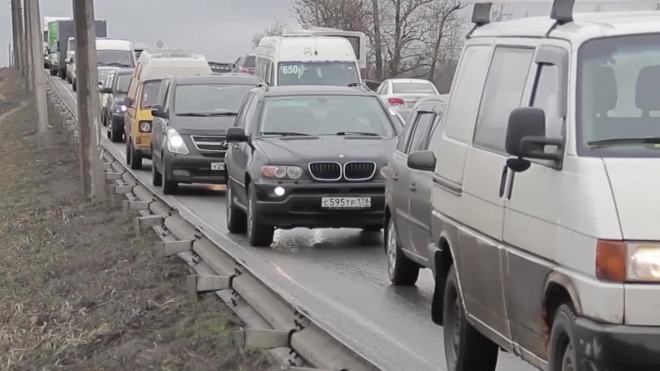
[[78, 290]]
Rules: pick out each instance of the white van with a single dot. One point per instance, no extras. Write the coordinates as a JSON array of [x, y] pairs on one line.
[[70, 53], [545, 200], [313, 60], [110, 55]]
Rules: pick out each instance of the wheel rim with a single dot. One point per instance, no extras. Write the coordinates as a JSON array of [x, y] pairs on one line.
[[391, 248], [456, 338], [567, 361], [228, 208], [250, 218]]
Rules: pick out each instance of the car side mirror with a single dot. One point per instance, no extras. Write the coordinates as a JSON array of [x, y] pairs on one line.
[[100, 83], [105, 91], [128, 102], [157, 111], [235, 134], [422, 160], [525, 138]]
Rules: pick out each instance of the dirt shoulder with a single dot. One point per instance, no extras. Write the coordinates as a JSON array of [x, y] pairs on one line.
[[78, 290]]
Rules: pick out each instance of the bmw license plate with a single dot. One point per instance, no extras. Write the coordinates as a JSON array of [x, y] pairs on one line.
[[217, 165], [345, 202]]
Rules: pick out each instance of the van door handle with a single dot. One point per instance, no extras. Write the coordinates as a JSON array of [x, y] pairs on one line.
[[412, 187], [505, 170]]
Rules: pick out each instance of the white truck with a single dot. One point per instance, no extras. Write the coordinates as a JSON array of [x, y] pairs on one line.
[[46, 36]]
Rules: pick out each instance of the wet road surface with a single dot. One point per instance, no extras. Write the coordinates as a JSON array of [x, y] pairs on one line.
[[337, 276]]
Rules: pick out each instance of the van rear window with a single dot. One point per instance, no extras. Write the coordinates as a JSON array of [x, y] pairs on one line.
[[249, 61], [318, 73]]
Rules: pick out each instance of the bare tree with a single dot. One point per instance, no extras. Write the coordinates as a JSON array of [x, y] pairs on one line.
[[500, 13], [444, 21], [276, 29]]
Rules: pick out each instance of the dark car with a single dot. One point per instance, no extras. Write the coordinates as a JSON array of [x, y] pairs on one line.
[[191, 116], [112, 112], [245, 64], [308, 156]]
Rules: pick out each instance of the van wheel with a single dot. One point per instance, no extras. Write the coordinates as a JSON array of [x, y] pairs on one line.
[[236, 218], [402, 271], [113, 134], [156, 176], [563, 356], [127, 150], [136, 157], [73, 85], [52, 71], [259, 234], [466, 349], [170, 187]]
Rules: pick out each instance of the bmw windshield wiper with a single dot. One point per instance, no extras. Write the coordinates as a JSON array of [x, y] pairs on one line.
[[285, 133], [617, 141], [357, 133], [208, 114]]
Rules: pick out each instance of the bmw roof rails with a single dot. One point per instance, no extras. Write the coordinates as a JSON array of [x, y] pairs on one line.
[[480, 16], [562, 13], [262, 85]]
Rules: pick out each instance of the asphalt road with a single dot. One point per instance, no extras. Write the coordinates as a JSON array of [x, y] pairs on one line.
[[339, 277]]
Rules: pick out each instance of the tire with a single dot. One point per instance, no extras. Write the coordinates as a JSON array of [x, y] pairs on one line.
[[372, 228], [128, 150], [52, 71], [156, 176], [562, 341], [62, 74], [401, 270], [73, 86], [170, 187], [236, 218], [259, 234], [113, 135], [466, 349], [136, 157]]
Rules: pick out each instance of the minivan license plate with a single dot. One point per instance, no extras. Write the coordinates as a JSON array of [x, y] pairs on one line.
[[346, 202], [217, 165]]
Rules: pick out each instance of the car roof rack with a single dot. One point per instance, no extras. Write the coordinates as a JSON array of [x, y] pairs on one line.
[[562, 13], [480, 16], [262, 85], [358, 85]]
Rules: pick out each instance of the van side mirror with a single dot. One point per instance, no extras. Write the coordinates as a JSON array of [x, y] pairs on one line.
[[525, 136], [235, 134], [422, 160], [128, 102], [157, 111], [105, 91]]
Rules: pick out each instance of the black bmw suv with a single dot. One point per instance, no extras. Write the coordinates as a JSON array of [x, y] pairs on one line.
[[308, 156]]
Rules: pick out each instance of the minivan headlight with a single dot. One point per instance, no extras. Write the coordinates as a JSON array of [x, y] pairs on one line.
[[645, 262], [175, 143]]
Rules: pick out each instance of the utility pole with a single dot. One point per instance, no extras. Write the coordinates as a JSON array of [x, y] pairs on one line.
[[22, 47], [28, 45], [16, 36], [91, 166], [37, 67]]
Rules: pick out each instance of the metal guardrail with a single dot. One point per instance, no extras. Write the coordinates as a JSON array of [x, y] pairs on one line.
[[273, 323]]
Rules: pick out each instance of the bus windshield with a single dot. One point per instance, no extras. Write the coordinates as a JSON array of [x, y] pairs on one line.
[[318, 73]]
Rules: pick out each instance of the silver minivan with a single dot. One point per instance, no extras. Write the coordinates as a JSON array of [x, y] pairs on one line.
[[545, 197]]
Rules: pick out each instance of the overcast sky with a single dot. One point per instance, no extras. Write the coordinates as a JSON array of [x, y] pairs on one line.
[[220, 29]]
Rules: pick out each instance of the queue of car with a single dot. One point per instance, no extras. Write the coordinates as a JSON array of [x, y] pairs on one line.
[[528, 190]]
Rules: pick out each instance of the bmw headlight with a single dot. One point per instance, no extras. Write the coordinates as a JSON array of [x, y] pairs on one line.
[[281, 172], [175, 143]]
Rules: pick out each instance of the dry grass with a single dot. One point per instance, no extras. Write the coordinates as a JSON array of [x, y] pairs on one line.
[[78, 290]]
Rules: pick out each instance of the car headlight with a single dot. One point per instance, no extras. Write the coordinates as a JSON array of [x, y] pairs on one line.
[[175, 143], [620, 261], [281, 172], [145, 127], [645, 262], [120, 108]]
